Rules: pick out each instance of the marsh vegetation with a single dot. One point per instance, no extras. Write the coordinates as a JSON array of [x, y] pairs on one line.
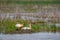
[[8, 26]]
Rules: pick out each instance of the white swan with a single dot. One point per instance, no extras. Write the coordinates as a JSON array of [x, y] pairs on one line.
[[19, 25], [23, 28], [27, 28]]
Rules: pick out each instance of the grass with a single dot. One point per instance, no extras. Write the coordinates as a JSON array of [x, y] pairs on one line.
[[0, 26], [9, 26], [30, 2]]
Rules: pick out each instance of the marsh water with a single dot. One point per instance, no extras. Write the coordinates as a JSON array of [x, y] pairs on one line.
[[33, 36]]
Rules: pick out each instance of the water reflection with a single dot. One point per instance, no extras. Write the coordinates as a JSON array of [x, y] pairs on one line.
[[34, 36]]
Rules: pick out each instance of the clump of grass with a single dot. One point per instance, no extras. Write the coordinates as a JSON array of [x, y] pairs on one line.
[[0, 26], [53, 28], [35, 27], [9, 25]]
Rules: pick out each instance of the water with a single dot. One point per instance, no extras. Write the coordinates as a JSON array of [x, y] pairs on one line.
[[34, 36]]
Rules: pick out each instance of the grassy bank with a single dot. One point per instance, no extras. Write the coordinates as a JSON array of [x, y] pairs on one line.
[[9, 26]]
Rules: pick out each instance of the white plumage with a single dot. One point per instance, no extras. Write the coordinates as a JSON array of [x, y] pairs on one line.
[[18, 25], [26, 28], [23, 28]]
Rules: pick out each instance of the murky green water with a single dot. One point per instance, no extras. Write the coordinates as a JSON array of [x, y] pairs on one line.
[[34, 36]]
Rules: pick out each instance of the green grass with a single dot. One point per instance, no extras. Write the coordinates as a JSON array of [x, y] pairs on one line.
[[40, 27], [0, 26], [10, 26], [30, 2], [38, 2]]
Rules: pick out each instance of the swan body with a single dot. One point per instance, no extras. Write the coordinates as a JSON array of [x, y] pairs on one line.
[[26, 28], [19, 25]]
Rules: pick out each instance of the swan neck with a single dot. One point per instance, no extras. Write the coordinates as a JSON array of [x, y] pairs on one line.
[[30, 25]]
